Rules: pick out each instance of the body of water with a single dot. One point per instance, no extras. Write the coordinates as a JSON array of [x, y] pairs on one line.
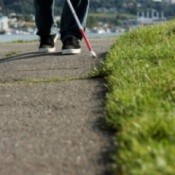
[[15, 37], [30, 37]]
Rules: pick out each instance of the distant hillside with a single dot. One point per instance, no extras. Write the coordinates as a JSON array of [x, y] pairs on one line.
[[126, 6], [26, 6], [17, 6], [22, 6]]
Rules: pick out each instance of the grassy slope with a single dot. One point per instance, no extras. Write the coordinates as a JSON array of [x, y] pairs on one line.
[[140, 104]]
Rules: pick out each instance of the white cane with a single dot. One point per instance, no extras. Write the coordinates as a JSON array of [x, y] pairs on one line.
[[93, 54]]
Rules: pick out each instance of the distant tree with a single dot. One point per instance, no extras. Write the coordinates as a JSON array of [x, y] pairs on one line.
[[123, 6], [92, 21]]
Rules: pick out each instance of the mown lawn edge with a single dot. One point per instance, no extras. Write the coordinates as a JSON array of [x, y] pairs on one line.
[[140, 102]]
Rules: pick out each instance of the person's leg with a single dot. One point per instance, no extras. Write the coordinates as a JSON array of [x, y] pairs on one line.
[[69, 31], [46, 27], [68, 23], [44, 17]]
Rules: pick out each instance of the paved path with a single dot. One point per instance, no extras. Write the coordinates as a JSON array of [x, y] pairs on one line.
[[50, 110]]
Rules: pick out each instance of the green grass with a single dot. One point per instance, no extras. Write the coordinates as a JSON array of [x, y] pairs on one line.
[[140, 102], [11, 53], [43, 80], [23, 41], [111, 15]]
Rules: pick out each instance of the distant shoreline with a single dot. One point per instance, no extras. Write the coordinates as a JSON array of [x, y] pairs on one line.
[[12, 38]]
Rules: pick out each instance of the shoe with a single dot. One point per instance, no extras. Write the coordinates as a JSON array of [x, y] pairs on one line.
[[71, 46], [47, 43]]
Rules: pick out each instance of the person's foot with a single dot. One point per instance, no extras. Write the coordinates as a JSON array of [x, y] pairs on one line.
[[47, 43], [71, 45]]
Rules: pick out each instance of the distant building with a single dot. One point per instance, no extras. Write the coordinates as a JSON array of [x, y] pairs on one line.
[[173, 1], [4, 24], [170, 1], [150, 16]]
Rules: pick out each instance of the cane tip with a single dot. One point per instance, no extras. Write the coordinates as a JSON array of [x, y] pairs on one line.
[[93, 54]]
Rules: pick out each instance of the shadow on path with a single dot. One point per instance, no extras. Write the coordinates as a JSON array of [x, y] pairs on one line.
[[99, 126], [105, 158], [27, 56]]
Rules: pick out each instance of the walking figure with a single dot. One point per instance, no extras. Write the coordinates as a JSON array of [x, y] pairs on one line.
[[70, 34]]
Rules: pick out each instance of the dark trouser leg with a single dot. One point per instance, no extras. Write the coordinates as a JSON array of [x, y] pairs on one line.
[[68, 23], [44, 17]]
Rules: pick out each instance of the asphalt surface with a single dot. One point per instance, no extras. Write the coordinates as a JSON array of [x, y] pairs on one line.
[[50, 111]]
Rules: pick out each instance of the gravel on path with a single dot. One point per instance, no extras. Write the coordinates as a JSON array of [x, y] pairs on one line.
[[50, 111]]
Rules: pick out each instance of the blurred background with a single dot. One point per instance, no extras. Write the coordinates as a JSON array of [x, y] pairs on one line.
[[106, 17]]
